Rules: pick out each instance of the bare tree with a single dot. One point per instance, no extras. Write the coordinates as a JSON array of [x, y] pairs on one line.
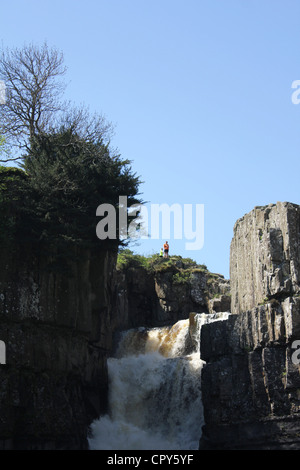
[[86, 126], [33, 103], [33, 91]]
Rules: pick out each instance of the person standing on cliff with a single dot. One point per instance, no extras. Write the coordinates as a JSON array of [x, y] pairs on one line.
[[166, 250]]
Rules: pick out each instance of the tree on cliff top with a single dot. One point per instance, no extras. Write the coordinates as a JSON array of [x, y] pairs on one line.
[[4, 148], [32, 91], [70, 168], [33, 105], [65, 180]]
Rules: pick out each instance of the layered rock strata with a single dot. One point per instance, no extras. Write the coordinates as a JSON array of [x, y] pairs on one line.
[[56, 322], [167, 294], [251, 379], [265, 256], [59, 313]]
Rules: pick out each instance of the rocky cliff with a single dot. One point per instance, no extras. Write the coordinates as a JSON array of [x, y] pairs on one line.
[[57, 324], [59, 312], [155, 291], [251, 380], [265, 256]]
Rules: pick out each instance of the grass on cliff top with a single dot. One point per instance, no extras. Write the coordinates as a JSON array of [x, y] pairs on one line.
[[181, 268]]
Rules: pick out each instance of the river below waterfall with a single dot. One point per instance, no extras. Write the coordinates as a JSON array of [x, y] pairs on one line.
[[155, 389]]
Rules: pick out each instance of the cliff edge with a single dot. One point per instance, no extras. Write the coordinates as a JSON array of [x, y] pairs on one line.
[[154, 291], [265, 256]]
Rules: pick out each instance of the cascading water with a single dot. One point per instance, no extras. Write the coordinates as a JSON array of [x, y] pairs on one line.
[[155, 389]]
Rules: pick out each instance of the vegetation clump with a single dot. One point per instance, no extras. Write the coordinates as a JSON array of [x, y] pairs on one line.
[[63, 181], [67, 167], [180, 268]]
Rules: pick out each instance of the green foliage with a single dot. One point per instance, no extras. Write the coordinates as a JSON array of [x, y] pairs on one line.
[[10, 180], [212, 278], [66, 180], [4, 149], [9, 176], [69, 178], [69, 168], [2, 143], [165, 264], [127, 259], [180, 268], [182, 277]]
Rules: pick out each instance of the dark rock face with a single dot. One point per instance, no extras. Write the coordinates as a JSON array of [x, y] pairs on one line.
[[251, 380], [265, 255], [136, 298], [59, 317], [160, 298], [56, 321], [250, 385]]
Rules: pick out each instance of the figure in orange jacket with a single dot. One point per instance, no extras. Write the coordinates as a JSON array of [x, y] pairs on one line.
[[166, 250]]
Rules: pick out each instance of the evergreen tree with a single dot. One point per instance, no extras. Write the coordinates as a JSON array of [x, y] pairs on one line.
[[65, 180]]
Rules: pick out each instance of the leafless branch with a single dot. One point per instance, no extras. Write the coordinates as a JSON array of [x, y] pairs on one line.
[[34, 105], [33, 91]]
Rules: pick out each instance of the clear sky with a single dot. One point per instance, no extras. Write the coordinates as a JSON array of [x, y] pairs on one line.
[[199, 92]]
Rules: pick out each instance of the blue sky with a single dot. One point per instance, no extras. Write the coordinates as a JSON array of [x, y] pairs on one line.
[[199, 92]]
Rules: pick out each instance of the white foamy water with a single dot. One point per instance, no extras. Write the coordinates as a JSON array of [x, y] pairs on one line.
[[155, 389]]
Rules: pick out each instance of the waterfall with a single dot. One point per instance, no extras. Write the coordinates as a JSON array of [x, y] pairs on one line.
[[155, 389]]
